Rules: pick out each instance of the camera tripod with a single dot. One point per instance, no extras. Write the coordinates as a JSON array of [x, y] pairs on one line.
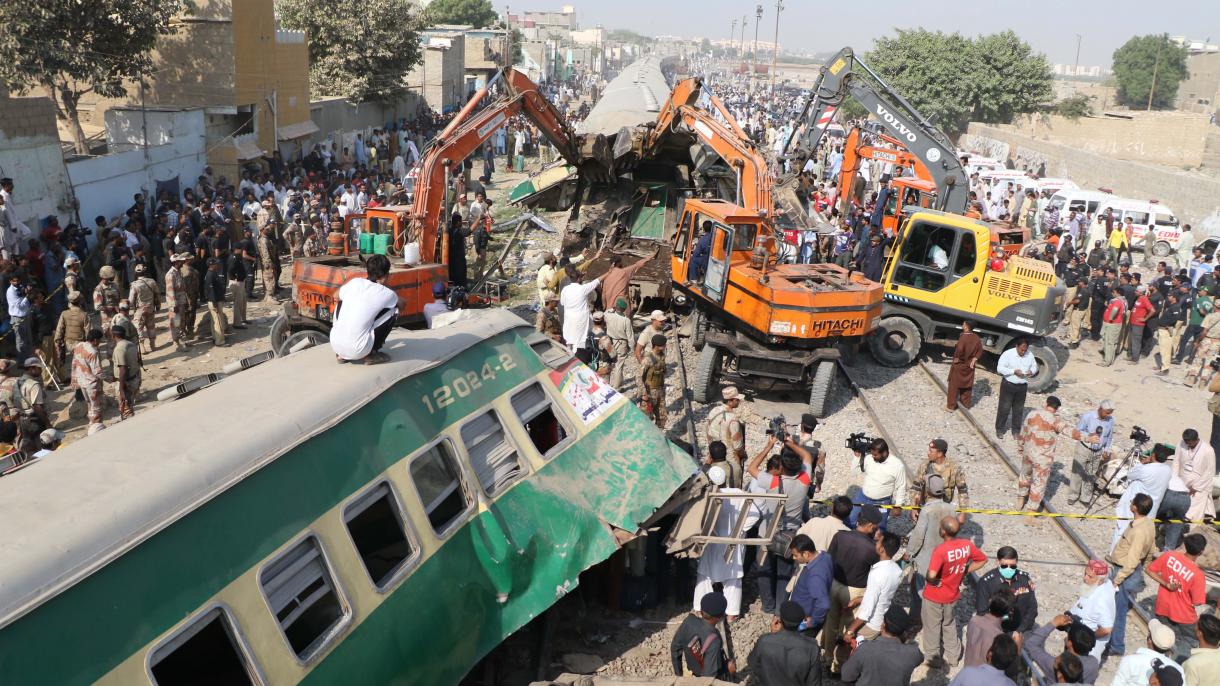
[[1128, 461]]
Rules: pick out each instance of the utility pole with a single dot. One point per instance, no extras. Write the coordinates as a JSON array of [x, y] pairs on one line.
[[1076, 67], [779, 7], [743, 37], [508, 41], [732, 35], [1156, 65], [758, 12]]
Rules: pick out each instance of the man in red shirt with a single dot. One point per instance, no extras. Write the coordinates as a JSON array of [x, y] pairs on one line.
[[1112, 326], [1182, 588], [1140, 313], [951, 561]]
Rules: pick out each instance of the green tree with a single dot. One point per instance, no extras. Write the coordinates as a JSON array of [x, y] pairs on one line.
[[476, 13], [705, 46], [850, 109], [518, 53], [74, 48], [953, 79], [1136, 62], [1008, 78], [1075, 107], [361, 65]]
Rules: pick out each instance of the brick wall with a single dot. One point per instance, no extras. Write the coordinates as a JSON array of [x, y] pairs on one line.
[[1171, 138], [1192, 196], [31, 156]]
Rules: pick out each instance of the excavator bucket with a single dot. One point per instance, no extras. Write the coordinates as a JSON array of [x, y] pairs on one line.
[[596, 162]]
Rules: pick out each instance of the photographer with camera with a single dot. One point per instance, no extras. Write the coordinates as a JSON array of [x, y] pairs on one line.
[[19, 311], [885, 479], [786, 473], [1147, 476]]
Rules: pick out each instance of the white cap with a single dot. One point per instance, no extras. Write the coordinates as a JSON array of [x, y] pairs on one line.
[[51, 436], [717, 476], [1161, 635], [1106, 405], [657, 314]]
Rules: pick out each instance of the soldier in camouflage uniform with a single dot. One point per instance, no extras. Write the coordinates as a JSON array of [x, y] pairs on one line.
[[294, 236], [87, 374], [70, 330], [177, 300], [73, 281], [950, 473], [1039, 436], [547, 320], [1207, 346], [652, 373], [106, 304], [145, 301], [269, 257]]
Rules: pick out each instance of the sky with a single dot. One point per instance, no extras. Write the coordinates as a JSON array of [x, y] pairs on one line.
[[1050, 26]]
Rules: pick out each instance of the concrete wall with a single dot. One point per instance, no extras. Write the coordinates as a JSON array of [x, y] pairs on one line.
[[104, 184], [441, 77], [30, 154], [1200, 91], [1171, 138], [1194, 197], [339, 120]]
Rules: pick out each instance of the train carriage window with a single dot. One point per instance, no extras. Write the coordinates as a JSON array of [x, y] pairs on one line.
[[492, 455], [206, 652], [303, 597], [438, 481], [376, 525], [537, 414]]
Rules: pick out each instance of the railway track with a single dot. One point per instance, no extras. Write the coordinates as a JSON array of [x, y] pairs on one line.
[[908, 426]]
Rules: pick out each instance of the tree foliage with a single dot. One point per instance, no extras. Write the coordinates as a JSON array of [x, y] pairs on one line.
[[476, 13], [1137, 59], [74, 48], [629, 36], [1075, 107], [359, 49], [954, 79]]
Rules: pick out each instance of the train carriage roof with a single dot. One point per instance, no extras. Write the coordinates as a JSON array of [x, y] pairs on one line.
[[72, 512], [632, 98]]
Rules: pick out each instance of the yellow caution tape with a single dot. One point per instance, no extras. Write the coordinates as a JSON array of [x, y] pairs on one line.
[[1033, 514]]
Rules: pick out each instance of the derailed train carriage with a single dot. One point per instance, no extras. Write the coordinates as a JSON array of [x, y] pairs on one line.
[[308, 522]]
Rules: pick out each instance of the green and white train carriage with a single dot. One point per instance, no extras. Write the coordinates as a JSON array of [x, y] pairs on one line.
[[308, 522]]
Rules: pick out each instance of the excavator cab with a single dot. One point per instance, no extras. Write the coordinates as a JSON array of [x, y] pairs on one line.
[[941, 270]]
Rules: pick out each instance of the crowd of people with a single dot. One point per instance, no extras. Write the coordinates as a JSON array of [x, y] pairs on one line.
[[84, 304]]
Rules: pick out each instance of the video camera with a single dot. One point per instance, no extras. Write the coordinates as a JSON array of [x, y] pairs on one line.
[[778, 427], [859, 442], [1139, 435], [1214, 364]]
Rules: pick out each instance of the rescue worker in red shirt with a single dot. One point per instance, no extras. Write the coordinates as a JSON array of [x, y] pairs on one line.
[[1112, 319], [1140, 312]]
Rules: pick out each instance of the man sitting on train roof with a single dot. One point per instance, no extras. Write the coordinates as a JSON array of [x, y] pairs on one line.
[[364, 314]]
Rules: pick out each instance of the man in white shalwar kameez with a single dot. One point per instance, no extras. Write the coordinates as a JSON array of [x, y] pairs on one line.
[[712, 566]]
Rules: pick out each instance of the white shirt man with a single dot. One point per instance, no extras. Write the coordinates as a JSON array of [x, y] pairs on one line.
[[882, 480], [1095, 608], [1150, 477], [437, 306], [363, 305], [574, 299], [883, 579], [713, 568], [1011, 361], [1136, 668], [938, 257]]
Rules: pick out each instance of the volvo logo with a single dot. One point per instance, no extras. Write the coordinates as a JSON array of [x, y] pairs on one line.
[[896, 124]]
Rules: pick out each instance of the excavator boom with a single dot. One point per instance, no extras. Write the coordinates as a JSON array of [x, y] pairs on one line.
[[726, 139], [468, 130], [844, 76]]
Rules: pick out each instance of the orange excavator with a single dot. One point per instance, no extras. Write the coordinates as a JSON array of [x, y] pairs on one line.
[[413, 236], [756, 322]]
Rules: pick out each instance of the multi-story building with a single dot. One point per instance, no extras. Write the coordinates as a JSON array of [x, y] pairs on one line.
[[440, 77]]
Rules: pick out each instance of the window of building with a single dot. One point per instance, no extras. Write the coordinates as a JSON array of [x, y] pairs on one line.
[[438, 481], [303, 597], [492, 455], [537, 415], [379, 533], [206, 652]]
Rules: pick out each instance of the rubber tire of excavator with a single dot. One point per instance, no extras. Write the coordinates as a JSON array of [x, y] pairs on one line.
[[1048, 369], [698, 329], [907, 354], [823, 385], [707, 367], [280, 331], [316, 338]]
